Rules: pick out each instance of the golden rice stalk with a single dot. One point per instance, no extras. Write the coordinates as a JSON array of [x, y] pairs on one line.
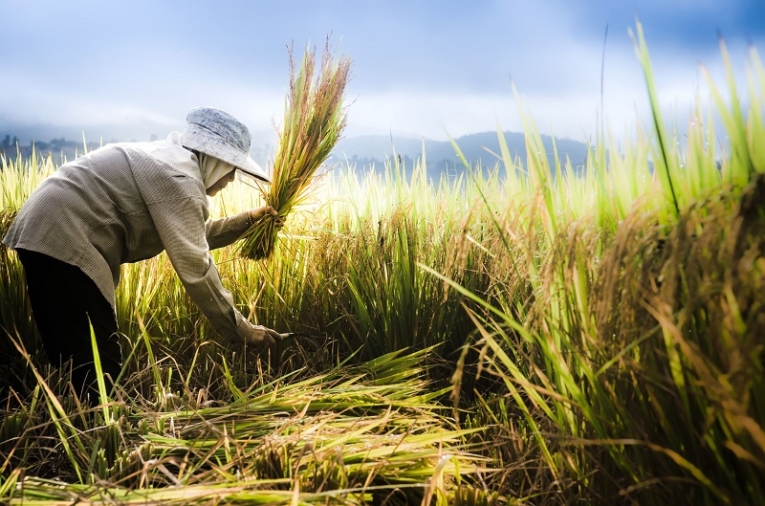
[[314, 119]]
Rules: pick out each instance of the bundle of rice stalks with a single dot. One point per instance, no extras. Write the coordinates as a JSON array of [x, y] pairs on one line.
[[314, 119]]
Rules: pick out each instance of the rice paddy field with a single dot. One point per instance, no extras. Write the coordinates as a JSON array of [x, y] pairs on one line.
[[522, 334]]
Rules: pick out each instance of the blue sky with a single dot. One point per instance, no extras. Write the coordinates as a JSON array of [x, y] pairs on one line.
[[420, 68]]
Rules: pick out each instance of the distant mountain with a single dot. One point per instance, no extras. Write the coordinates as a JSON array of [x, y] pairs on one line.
[[479, 148]]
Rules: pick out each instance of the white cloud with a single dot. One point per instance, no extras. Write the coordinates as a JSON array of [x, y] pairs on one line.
[[442, 80], [560, 110], [28, 100]]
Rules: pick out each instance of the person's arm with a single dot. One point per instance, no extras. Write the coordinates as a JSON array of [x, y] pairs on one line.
[[180, 224], [226, 231]]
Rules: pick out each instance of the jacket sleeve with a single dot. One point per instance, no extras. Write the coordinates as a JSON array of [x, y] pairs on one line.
[[226, 231], [180, 224]]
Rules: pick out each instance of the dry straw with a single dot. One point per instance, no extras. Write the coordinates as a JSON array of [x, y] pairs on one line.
[[314, 120]]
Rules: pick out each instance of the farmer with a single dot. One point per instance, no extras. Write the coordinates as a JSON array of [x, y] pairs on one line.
[[123, 203]]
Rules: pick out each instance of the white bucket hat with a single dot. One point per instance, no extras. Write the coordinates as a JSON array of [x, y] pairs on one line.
[[219, 134]]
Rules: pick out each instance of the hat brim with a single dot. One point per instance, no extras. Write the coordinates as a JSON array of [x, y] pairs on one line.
[[204, 141]]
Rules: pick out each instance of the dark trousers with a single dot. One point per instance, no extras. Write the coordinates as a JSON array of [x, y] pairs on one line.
[[65, 303]]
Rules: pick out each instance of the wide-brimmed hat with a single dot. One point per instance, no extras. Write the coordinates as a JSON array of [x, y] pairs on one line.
[[219, 134]]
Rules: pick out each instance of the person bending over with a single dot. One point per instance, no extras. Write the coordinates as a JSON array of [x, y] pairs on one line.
[[123, 203]]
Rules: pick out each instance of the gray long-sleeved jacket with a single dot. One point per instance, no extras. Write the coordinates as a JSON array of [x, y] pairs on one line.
[[128, 202]]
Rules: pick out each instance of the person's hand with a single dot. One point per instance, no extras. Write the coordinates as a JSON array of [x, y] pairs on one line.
[[259, 212], [260, 337]]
